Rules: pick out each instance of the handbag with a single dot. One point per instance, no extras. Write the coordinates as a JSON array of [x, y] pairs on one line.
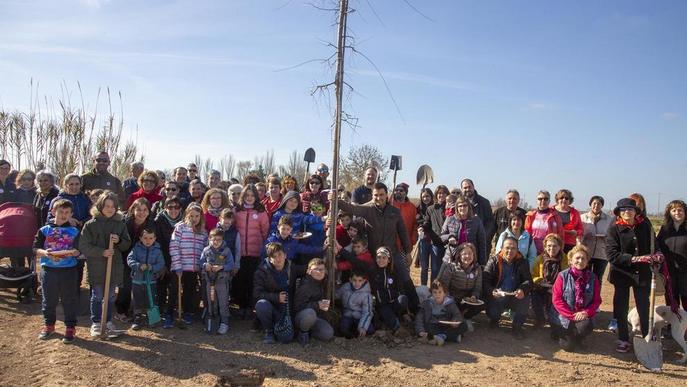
[[283, 329]]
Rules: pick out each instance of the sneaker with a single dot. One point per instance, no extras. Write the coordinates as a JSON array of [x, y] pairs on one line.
[[121, 317], [623, 347], [95, 329], [138, 323], [46, 332], [303, 338], [459, 339], [438, 340], [269, 338], [468, 323], [69, 334], [223, 329], [168, 323], [507, 314], [188, 318], [111, 327], [613, 325]]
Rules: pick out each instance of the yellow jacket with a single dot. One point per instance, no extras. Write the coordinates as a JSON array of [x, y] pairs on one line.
[[538, 269]]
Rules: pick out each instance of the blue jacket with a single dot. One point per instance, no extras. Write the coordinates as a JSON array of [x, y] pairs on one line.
[[292, 247], [149, 255], [298, 218], [221, 256], [231, 238], [526, 245], [81, 206], [60, 238]]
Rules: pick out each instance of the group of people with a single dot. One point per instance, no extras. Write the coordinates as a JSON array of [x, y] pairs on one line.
[[259, 247]]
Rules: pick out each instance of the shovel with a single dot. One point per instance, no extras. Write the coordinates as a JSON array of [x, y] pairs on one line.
[[153, 311], [180, 321], [212, 297], [649, 350], [104, 334], [425, 175]]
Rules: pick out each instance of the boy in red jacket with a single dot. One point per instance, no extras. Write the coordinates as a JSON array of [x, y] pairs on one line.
[[359, 258]]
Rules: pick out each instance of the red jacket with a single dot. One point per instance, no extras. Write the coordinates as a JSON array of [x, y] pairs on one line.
[[409, 216], [271, 206], [342, 237], [210, 221], [152, 197], [366, 257], [574, 224], [253, 229]]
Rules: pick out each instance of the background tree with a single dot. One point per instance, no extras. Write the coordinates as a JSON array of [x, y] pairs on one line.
[[295, 167], [358, 160]]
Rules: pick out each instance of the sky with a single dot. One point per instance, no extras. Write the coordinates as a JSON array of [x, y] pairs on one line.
[[589, 96]]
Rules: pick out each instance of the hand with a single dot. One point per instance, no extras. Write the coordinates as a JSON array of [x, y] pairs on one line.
[[282, 297], [579, 316], [114, 238], [496, 293], [143, 267], [216, 268], [422, 334], [331, 196], [208, 268], [657, 258], [109, 253], [452, 240], [519, 294], [73, 222], [362, 332], [641, 259]]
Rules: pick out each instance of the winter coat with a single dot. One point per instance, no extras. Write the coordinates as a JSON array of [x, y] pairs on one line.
[[623, 243], [563, 298], [292, 247], [141, 254], [526, 245], [299, 220], [461, 283], [211, 221], [130, 185], [95, 239], [538, 268], [673, 244], [94, 180], [501, 220], [433, 222], [253, 228], [185, 248], [385, 225], [25, 195], [574, 224], [409, 215], [152, 197], [163, 235], [431, 313], [271, 206], [81, 206], [482, 209], [41, 204], [596, 245], [233, 241], [356, 303], [7, 191], [475, 234], [221, 256], [493, 274], [550, 219], [265, 286], [308, 294], [361, 195], [386, 287], [347, 260]]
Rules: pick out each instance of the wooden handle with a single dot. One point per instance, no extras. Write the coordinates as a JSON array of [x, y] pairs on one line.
[[106, 293], [179, 295]]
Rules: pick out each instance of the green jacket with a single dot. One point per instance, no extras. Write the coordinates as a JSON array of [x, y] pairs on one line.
[[95, 238], [94, 180]]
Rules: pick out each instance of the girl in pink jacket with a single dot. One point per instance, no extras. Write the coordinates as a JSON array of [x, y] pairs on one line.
[[253, 225]]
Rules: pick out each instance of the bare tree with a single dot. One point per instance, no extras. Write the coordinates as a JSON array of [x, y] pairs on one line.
[[358, 160], [244, 168], [295, 167], [227, 166]]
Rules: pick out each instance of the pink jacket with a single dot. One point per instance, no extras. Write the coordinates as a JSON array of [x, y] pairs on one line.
[[253, 229]]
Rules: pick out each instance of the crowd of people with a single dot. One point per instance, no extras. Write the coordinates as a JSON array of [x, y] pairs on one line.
[[256, 250]]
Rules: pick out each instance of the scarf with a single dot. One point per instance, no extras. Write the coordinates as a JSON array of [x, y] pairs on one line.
[[449, 211], [463, 235], [215, 211], [172, 222], [595, 217], [581, 278], [551, 268], [621, 222]]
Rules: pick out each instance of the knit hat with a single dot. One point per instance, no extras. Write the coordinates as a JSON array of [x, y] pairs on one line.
[[287, 196], [235, 188], [403, 186], [383, 251], [624, 203]]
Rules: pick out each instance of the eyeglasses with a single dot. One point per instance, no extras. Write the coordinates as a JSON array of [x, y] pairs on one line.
[[544, 199], [26, 179], [149, 181], [461, 205], [102, 160], [171, 189], [193, 170], [73, 184], [44, 180], [324, 170], [173, 207], [564, 198], [314, 183], [319, 269], [623, 209]]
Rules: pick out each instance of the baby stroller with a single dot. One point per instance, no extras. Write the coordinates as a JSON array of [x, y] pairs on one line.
[[18, 226]]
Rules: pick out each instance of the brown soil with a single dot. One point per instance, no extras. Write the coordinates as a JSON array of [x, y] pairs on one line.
[[191, 357]]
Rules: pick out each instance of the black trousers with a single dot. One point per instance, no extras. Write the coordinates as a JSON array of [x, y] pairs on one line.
[[242, 285], [621, 306]]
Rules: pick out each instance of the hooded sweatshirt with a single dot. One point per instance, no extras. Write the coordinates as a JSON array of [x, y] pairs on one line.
[[141, 254], [431, 313], [356, 303]]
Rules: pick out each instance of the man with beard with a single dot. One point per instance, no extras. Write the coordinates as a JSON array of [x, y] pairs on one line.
[[100, 178], [363, 194], [480, 206]]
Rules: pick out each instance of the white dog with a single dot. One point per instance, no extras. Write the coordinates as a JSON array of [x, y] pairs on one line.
[[662, 316]]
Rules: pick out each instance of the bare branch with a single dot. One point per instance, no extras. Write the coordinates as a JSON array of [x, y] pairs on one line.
[[418, 11], [386, 85]]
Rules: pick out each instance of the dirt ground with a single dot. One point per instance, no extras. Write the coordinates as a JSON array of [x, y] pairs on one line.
[[191, 357]]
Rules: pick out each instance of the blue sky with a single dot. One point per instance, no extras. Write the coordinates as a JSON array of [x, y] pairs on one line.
[[591, 96]]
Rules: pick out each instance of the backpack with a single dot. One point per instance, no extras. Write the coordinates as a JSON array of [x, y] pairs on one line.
[[283, 329]]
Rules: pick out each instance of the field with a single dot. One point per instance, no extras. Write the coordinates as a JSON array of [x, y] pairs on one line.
[[191, 357]]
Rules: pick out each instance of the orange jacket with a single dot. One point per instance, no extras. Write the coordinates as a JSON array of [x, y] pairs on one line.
[[409, 216]]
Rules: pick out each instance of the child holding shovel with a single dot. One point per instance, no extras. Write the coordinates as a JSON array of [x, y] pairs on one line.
[[219, 267], [146, 261], [105, 229]]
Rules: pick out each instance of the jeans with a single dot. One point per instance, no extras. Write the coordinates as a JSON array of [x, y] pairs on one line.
[[430, 253], [307, 321], [268, 314], [621, 305], [58, 284], [598, 268], [349, 327], [164, 290], [189, 297], [389, 313], [679, 286], [141, 297], [408, 288], [496, 306], [97, 293]]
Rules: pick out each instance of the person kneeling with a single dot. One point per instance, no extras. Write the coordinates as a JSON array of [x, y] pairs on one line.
[[308, 301], [439, 317], [386, 287], [356, 301], [576, 297]]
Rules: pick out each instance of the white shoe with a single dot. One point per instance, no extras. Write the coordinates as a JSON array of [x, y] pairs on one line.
[[468, 323], [95, 329], [223, 329], [111, 326]]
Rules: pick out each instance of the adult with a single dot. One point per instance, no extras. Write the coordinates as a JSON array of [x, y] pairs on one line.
[[171, 190], [214, 177], [408, 211], [595, 224], [576, 296], [672, 241], [44, 195], [7, 186], [273, 196], [26, 189], [214, 201], [196, 191], [543, 221], [162, 180], [313, 194], [465, 226], [192, 172], [516, 229], [165, 221], [502, 214], [572, 224], [234, 192], [385, 226], [130, 184], [100, 178], [462, 277], [628, 248], [507, 282], [323, 172], [363, 193], [148, 181], [262, 189], [432, 247], [288, 183], [181, 177], [480, 206]]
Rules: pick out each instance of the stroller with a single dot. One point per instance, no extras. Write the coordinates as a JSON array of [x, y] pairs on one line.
[[18, 226]]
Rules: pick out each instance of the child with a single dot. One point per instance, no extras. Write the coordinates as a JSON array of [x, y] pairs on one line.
[[55, 246], [94, 243], [308, 301], [187, 243], [356, 301], [386, 289], [360, 258], [231, 235], [218, 266], [165, 221], [450, 209], [342, 236], [436, 309], [146, 261], [295, 251], [274, 283], [544, 272]]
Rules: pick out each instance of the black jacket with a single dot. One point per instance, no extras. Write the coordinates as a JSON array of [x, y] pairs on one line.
[[163, 235], [384, 225], [308, 294], [385, 285], [482, 208], [433, 222], [492, 275], [265, 287], [42, 203], [623, 243], [501, 223], [673, 244]]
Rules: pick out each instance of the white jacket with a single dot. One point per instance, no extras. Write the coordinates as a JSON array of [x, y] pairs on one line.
[[594, 237]]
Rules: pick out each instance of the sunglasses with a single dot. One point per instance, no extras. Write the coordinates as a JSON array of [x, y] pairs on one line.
[[171, 189], [102, 160], [544, 199], [627, 209], [564, 198], [193, 170]]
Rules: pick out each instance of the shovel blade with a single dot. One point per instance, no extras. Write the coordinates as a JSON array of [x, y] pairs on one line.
[[649, 353], [153, 315]]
